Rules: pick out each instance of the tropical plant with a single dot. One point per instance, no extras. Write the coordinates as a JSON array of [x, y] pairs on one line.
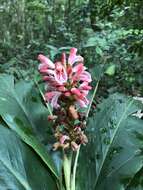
[[112, 158]]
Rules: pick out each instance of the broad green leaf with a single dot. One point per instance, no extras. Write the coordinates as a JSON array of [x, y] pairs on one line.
[[111, 70], [23, 114], [20, 167], [114, 152]]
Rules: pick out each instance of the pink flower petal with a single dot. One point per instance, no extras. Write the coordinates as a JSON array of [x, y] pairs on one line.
[[82, 103], [63, 59], [47, 71], [61, 88], [73, 58], [68, 94], [52, 97], [76, 92], [45, 62], [79, 68], [72, 55], [63, 139], [60, 73], [85, 76], [77, 58], [85, 92], [85, 86]]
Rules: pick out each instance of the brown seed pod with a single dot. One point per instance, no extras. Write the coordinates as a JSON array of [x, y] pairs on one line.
[[84, 139], [65, 146], [73, 112]]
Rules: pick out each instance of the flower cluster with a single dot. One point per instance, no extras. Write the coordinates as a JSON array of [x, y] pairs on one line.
[[67, 85], [67, 78]]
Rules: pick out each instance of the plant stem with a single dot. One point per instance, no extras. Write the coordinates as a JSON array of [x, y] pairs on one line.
[[73, 184], [67, 169]]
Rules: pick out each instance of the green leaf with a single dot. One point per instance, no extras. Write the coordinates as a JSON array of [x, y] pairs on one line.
[[20, 167], [115, 146], [97, 71], [91, 42], [99, 50], [111, 70], [24, 114]]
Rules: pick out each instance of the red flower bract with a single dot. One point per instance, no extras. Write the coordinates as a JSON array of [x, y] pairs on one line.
[[66, 78]]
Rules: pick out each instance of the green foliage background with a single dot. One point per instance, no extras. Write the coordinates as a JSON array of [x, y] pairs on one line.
[[109, 33]]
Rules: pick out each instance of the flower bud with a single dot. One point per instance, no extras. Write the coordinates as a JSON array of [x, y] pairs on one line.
[[56, 146], [52, 117], [74, 146]]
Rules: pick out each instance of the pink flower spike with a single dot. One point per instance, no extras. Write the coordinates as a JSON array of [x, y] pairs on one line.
[[60, 73], [68, 79], [45, 62], [52, 97]]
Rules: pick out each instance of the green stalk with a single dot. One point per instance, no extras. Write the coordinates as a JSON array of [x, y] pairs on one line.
[[67, 169], [73, 184]]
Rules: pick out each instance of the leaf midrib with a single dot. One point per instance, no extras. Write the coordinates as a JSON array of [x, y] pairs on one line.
[[117, 127]]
